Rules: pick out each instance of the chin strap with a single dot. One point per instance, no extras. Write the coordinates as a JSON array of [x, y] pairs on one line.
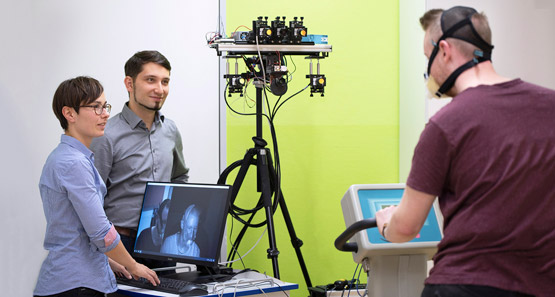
[[450, 81]]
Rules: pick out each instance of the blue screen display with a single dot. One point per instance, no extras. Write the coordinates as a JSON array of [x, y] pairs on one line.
[[372, 200]]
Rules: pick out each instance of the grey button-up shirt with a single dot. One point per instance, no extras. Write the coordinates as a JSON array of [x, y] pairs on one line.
[[129, 155]]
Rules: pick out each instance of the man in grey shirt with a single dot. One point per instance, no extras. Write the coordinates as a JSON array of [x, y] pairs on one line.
[[139, 144]]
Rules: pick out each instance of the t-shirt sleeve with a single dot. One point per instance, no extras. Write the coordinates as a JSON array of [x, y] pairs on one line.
[[431, 161]]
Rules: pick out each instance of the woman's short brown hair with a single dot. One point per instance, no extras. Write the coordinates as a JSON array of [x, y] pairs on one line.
[[75, 92]]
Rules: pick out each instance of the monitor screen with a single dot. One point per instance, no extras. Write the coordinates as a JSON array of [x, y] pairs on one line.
[[362, 201], [182, 222], [372, 200]]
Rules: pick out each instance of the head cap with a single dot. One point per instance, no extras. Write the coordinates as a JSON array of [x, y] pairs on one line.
[[456, 23]]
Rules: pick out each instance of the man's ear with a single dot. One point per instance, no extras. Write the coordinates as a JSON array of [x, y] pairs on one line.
[[128, 81], [446, 49], [69, 113]]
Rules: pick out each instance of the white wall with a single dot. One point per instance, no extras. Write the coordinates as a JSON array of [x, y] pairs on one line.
[[524, 46], [412, 65], [46, 42], [522, 33]]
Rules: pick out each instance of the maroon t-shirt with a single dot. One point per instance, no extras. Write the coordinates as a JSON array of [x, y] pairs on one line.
[[490, 157]]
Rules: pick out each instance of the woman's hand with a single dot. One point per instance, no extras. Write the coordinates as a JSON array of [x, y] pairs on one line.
[[139, 270], [118, 269]]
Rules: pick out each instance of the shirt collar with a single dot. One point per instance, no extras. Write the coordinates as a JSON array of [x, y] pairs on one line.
[[73, 142], [133, 120]]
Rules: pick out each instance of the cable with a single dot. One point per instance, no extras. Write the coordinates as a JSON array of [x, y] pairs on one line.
[[241, 257], [270, 113], [231, 108], [277, 168], [267, 102], [358, 282], [234, 248], [275, 105], [356, 268], [272, 116], [215, 36], [291, 73], [284, 292], [274, 142], [233, 33], [222, 27], [261, 61], [234, 209], [247, 97]]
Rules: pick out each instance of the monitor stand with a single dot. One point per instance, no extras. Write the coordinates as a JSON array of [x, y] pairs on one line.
[[204, 274]]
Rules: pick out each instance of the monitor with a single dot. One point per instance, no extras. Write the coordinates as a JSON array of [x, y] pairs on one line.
[[183, 223], [363, 201]]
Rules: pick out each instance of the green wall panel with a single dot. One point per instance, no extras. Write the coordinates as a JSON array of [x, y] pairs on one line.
[[326, 144]]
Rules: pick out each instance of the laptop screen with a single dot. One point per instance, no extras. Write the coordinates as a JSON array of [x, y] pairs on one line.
[[182, 222]]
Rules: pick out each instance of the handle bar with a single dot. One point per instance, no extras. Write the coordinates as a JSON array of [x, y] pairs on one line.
[[341, 241]]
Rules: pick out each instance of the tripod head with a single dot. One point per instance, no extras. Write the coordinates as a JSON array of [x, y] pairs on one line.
[[270, 69]]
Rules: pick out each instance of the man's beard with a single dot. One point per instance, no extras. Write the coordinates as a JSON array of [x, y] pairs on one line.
[[155, 108]]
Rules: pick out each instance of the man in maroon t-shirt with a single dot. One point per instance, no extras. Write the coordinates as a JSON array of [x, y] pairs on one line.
[[489, 156]]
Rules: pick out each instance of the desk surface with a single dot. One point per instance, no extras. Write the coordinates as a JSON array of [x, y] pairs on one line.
[[245, 284]]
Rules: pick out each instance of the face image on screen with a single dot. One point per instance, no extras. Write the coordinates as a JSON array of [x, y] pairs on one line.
[[182, 222]]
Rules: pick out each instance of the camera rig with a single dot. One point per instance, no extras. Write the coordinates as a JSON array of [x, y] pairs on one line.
[[263, 50], [276, 33], [270, 44]]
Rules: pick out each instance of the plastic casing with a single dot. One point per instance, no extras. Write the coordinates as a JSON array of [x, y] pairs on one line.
[[352, 212]]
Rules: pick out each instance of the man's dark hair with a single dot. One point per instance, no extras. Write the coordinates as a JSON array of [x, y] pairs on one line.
[[134, 65], [157, 212], [75, 92]]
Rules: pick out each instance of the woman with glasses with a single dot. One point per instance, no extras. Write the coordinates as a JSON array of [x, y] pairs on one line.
[[79, 238]]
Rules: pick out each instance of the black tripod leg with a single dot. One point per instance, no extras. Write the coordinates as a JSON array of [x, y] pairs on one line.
[[238, 239], [247, 160], [295, 241], [245, 163], [266, 184]]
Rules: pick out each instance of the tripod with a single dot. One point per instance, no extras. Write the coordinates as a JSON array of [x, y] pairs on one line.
[[266, 184]]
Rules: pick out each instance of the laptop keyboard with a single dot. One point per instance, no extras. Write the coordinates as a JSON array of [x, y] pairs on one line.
[[168, 285]]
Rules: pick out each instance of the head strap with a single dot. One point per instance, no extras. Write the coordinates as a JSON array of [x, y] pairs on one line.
[[481, 55]]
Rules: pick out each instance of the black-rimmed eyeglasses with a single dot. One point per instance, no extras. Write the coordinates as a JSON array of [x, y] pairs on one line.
[[99, 109]]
